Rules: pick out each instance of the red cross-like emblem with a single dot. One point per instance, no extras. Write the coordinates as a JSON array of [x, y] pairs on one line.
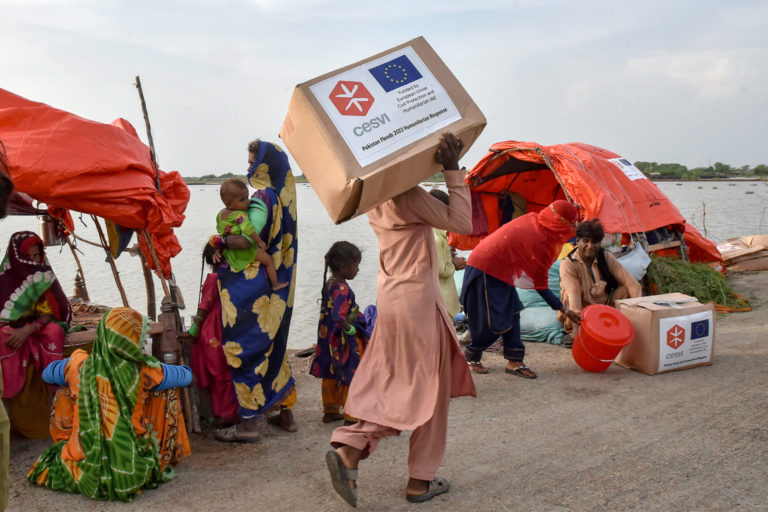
[[675, 336], [351, 98]]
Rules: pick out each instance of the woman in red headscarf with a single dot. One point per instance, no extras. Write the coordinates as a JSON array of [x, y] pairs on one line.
[[518, 254], [34, 314]]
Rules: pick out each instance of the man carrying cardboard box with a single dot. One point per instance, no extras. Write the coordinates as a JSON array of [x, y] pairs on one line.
[[367, 132], [413, 364]]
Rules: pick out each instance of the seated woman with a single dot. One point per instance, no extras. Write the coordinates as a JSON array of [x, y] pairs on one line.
[[116, 424], [34, 315], [590, 275]]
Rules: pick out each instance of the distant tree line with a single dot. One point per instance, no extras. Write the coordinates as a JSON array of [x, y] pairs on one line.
[[653, 170], [219, 178], [719, 170]]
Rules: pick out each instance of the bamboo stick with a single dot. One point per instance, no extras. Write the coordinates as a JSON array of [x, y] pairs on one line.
[[156, 260], [76, 237], [152, 153], [111, 261], [79, 265], [150, 286], [188, 396]]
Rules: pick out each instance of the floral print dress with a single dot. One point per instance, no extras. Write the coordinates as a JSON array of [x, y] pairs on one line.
[[338, 354]]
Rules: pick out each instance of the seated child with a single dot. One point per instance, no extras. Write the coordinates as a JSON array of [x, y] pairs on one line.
[[343, 331], [233, 220]]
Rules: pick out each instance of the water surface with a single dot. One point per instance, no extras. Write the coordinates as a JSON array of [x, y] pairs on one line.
[[721, 209]]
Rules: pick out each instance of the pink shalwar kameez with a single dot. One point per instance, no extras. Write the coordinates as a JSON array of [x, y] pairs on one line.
[[413, 364]]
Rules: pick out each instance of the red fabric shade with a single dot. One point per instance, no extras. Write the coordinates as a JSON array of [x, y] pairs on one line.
[[71, 163], [594, 179]]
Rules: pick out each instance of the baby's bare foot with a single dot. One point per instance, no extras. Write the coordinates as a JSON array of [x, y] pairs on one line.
[[279, 286]]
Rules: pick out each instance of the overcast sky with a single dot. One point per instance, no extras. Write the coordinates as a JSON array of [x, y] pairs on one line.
[[666, 81]]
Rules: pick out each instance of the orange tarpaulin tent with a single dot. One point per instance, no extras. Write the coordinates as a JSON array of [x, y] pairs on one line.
[[71, 163], [519, 177]]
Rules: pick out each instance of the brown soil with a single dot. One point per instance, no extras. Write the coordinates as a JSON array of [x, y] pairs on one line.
[[695, 439]]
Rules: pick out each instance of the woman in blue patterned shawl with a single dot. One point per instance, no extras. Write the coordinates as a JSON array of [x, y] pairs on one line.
[[255, 319]]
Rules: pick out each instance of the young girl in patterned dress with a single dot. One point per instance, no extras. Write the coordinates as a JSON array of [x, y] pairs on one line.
[[343, 331]]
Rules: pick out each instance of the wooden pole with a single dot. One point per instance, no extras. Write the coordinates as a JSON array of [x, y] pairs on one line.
[[156, 260], [79, 265], [150, 286], [111, 261], [152, 153], [188, 395], [171, 352]]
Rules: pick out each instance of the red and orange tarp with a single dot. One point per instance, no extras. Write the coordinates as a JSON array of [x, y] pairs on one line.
[[72, 163], [601, 183]]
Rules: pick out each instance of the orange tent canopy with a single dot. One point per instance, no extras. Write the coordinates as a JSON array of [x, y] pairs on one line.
[[71, 163], [601, 183]]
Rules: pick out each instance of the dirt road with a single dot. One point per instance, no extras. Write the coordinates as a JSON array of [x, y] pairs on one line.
[[693, 440]]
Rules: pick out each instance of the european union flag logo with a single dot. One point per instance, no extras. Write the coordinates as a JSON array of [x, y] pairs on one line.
[[395, 73], [699, 329]]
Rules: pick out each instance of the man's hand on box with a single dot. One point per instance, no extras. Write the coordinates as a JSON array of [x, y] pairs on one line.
[[448, 151]]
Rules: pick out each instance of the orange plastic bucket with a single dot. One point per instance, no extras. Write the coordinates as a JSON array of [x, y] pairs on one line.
[[604, 331]]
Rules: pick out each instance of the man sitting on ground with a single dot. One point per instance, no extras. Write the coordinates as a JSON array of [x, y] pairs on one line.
[[591, 275]]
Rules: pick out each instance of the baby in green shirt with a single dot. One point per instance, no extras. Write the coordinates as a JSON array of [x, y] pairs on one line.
[[233, 220]]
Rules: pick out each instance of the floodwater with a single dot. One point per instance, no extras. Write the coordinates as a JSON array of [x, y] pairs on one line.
[[721, 209]]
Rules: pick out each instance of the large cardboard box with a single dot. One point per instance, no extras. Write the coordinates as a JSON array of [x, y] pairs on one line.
[[672, 332], [745, 254], [367, 132]]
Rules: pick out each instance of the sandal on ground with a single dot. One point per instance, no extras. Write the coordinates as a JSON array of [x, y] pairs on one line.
[[477, 367], [309, 351], [330, 417], [520, 371], [289, 425], [568, 342], [231, 435], [341, 476], [434, 488]]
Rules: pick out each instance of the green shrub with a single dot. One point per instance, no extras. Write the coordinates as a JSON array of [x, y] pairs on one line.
[[695, 279]]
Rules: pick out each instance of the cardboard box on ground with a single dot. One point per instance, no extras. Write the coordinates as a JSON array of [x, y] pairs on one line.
[[367, 132], [673, 331], [745, 254]]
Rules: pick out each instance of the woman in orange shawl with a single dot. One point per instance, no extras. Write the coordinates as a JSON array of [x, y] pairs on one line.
[[117, 424], [519, 253]]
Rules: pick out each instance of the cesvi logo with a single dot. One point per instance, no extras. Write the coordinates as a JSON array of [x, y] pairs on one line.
[[675, 336], [351, 98]]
